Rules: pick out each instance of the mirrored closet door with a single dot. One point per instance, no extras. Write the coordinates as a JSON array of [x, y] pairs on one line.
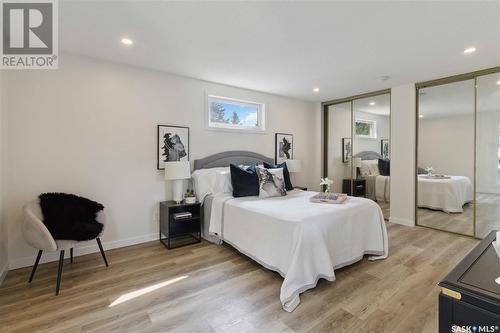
[[458, 154], [357, 154], [488, 154]]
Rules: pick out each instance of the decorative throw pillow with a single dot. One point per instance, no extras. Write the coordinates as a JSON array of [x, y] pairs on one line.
[[271, 182], [384, 167], [245, 182], [286, 173]]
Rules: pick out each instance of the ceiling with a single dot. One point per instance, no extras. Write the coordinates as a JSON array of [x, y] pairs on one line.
[[457, 98], [288, 48]]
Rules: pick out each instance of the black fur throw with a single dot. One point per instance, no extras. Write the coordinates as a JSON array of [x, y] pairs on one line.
[[68, 216]]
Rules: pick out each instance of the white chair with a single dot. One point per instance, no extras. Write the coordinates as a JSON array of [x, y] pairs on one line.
[[38, 236]]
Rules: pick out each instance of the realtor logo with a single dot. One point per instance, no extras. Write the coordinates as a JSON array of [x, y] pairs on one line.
[[29, 34]]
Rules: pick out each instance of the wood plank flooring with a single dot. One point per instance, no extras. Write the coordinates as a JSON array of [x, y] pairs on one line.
[[487, 217], [209, 288]]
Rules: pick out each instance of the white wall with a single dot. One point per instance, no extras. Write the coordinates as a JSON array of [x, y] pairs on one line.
[[383, 128], [90, 128], [403, 154], [487, 173], [3, 224], [447, 145]]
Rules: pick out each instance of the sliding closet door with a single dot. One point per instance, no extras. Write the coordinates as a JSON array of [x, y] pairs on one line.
[[488, 154], [445, 157], [339, 144], [371, 128]]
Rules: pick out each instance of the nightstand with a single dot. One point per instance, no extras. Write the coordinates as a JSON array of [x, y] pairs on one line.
[[179, 232], [300, 188], [358, 187]]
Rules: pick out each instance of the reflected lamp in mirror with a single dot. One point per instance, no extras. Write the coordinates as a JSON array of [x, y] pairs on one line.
[[356, 163], [176, 171]]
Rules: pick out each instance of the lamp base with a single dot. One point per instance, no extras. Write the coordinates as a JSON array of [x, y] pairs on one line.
[[177, 191]]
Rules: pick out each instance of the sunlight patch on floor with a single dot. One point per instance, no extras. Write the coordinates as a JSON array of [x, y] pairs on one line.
[[134, 294]]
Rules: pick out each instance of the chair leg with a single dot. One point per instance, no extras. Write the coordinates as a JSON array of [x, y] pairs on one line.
[[102, 250], [59, 272], [36, 265], [71, 255]]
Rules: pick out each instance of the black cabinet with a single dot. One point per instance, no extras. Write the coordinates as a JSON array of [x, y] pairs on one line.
[[358, 187], [182, 231], [470, 296]]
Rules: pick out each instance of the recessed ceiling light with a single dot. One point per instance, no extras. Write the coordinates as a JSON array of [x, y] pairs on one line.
[[127, 41], [421, 116], [498, 82], [372, 103], [470, 50], [315, 89]]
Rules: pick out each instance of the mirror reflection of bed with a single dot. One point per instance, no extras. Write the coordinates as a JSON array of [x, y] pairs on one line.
[[459, 137], [371, 147]]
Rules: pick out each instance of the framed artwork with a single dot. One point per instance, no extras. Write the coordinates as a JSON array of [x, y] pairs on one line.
[[172, 144], [283, 147], [384, 148], [346, 149]]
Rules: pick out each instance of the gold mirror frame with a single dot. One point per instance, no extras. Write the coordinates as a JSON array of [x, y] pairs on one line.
[[456, 78]]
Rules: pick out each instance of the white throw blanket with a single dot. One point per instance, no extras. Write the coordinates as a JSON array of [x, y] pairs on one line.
[[301, 240], [383, 188], [448, 195]]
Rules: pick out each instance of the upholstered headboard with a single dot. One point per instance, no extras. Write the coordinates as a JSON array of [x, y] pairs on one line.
[[368, 155], [230, 157]]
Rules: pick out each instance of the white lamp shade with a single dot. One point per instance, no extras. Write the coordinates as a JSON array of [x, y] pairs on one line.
[[294, 165], [177, 170]]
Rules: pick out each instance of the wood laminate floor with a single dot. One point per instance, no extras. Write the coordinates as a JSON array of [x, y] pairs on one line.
[[206, 288], [487, 217]]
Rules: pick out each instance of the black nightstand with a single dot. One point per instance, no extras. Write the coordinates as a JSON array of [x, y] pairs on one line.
[[300, 188], [358, 187], [179, 232]]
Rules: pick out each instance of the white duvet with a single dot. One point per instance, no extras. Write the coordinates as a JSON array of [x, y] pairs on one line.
[[301, 240], [448, 195]]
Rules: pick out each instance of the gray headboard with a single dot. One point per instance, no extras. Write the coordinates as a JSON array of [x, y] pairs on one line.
[[235, 157], [368, 155]]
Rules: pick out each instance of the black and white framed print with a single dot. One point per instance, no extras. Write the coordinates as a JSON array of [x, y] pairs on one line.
[[346, 149], [384, 148], [172, 144], [283, 147]]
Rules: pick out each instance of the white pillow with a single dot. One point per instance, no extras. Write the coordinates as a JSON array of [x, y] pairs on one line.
[[369, 168], [204, 181], [222, 182], [271, 182]]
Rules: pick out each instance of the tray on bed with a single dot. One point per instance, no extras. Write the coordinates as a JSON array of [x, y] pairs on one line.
[[329, 198]]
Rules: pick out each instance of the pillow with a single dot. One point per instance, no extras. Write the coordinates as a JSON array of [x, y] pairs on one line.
[[205, 180], [384, 167], [369, 168], [271, 182], [286, 174], [245, 182], [222, 182]]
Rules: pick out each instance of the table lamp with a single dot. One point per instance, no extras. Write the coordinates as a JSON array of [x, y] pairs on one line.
[[356, 163], [293, 166], [176, 171]]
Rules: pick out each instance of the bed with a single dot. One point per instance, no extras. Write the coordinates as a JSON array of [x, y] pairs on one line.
[[378, 187], [448, 195], [301, 240]]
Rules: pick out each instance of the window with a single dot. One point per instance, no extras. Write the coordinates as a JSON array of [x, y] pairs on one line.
[[233, 114], [366, 128]]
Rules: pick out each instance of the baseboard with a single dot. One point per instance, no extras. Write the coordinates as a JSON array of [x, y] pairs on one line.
[[3, 272], [90, 247], [398, 220]]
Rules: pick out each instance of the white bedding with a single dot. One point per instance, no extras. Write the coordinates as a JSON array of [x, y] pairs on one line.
[[301, 240], [378, 188], [448, 195]]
